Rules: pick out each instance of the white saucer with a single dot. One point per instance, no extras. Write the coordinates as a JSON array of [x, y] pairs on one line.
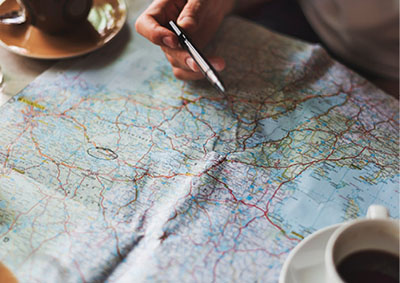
[[305, 263], [105, 20]]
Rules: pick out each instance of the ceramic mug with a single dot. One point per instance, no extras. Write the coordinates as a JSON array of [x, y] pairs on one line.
[[364, 248], [52, 16]]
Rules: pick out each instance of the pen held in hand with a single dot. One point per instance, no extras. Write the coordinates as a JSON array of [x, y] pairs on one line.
[[206, 68]]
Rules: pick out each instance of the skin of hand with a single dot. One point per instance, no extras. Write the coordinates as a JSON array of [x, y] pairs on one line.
[[200, 19]]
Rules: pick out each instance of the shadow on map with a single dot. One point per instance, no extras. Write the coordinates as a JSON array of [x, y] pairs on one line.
[[110, 52]]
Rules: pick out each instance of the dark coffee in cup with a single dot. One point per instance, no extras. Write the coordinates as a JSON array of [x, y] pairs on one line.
[[369, 266], [55, 16], [364, 250]]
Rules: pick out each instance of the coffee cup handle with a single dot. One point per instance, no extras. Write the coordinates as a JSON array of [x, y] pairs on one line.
[[376, 211], [15, 17]]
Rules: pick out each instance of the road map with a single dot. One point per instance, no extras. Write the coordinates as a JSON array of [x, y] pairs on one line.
[[112, 170]]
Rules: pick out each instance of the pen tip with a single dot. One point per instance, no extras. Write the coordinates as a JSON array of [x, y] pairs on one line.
[[221, 87]]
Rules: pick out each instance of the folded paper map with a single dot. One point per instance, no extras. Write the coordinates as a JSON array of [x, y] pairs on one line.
[[113, 170]]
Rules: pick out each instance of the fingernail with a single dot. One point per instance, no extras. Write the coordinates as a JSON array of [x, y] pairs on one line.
[[168, 42], [218, 66], [191, 64]]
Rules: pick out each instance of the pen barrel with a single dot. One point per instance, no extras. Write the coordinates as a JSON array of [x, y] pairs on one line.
[[197, 56], [205, 67]]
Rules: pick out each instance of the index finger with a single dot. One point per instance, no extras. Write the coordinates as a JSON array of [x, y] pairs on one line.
[[151, 24], [147, 26]]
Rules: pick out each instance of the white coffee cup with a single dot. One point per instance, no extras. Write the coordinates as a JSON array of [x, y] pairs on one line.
[[376, 232]]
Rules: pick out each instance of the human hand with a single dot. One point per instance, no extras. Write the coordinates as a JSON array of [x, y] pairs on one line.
[[200, 19]]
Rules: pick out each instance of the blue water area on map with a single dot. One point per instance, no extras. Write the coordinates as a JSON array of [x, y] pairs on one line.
[[275, 129], [313, 201]]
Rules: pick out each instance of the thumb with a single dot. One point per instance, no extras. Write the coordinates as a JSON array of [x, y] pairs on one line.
[[192, 15]]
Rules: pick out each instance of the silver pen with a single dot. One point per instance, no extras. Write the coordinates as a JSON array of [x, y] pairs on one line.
[[205, 67]]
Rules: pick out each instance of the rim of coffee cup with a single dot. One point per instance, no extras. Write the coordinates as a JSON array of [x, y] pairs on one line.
[[331, 264]]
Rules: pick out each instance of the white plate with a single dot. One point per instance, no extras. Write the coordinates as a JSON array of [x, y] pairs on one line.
[[305, 263]]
